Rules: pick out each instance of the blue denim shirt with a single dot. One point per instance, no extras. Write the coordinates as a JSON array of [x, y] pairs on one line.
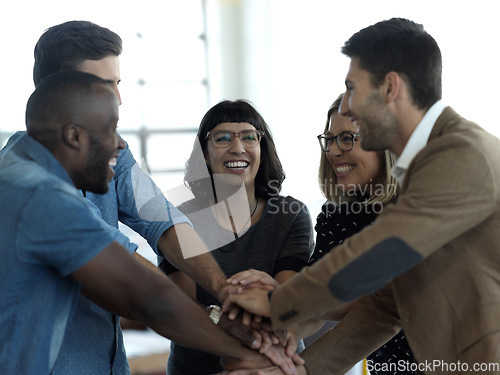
[[47, 231], [94, 341]]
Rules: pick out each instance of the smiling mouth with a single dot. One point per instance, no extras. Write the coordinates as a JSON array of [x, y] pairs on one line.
[[112, 162], [236, 165], [344, 168], [354, 121]]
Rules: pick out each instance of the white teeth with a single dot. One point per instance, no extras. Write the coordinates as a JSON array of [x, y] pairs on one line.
[[112, 162], [344, 168], [236, 164], [355, 123]]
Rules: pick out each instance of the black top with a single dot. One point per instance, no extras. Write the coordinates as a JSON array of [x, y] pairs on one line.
[[282, 239], [334, 224]]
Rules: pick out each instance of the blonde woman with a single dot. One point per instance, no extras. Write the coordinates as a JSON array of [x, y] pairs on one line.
[[357, 185]]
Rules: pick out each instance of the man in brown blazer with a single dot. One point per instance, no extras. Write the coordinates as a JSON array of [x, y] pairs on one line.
[[430, 263]]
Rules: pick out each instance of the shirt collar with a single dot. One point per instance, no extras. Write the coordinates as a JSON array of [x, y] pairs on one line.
[[417, 141], [29, 148]]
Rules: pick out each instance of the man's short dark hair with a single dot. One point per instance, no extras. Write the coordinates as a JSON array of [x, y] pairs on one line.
[[67, 45], [402, 46]]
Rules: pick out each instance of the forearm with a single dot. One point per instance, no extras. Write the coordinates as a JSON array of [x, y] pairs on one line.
[[308, 327], [187, 323], [116, 279], [107, 304], [184, 282], [178, 243], [301, 298], [146, 263], [366, 327]]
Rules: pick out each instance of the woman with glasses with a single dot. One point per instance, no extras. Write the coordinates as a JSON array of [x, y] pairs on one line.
[[235, 176], [357, 185]]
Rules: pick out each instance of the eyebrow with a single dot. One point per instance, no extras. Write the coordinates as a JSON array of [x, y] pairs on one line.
[[112, 81], [243, 130], [342, 132]]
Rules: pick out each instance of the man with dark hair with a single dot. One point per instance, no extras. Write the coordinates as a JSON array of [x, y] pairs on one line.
[[429, 263], [68, 45], [53, 242], [94, 339]]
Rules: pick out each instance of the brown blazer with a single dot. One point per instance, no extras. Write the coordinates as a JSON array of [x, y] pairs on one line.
[[436, 252]]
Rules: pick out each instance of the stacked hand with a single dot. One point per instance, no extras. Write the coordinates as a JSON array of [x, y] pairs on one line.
[[249, 290]]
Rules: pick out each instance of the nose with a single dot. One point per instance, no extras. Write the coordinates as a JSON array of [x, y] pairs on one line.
[[335, 150], [237, 146], [344, 105], [117, 92], [121, 142]]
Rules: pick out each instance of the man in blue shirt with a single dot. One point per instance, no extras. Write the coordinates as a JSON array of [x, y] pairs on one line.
[[95, 339], [52, 241]]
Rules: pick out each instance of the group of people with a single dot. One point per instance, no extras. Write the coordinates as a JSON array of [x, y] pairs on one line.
[[404, 256]]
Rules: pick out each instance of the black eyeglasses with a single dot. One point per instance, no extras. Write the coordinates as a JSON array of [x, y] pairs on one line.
[[249, 138], [345, 141]]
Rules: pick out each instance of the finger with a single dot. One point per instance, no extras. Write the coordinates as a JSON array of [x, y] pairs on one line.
[[253, 300], [297, 359], [275, 339], [258, 285], [278, 357], [228, 290], [226, 305], [269, 281], [247, 318], [264, 346], [233, 313], [282, 337], [257, 337], [237, 277], [251, 279], [291, 346], [245, 337], [264, 324], [266, 336]]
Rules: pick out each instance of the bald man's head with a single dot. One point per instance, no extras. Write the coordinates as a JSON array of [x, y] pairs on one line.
[[74, 115], [69, 97]]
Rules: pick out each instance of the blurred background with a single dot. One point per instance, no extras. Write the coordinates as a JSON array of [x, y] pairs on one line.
[[183, 56]]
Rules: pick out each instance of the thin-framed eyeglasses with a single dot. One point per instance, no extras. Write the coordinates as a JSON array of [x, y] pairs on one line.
[[345, 141], [224, 138]]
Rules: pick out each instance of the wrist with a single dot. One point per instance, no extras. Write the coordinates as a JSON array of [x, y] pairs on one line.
[[223, 289]]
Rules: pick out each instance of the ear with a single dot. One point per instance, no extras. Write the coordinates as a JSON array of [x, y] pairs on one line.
[[392, 86], [73, 135]]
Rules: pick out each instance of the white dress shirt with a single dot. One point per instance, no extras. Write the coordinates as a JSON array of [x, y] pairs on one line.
[[417, 141]]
